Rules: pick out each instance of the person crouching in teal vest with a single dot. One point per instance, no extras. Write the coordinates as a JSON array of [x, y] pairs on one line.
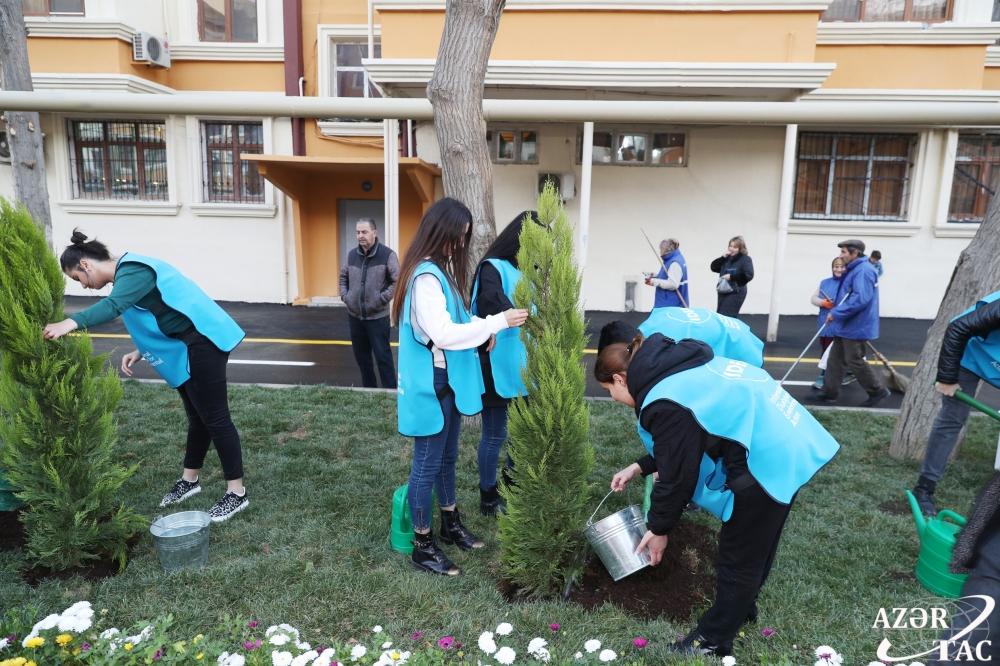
[[185, 336], [439, 373], [723, 434], [493, 293]]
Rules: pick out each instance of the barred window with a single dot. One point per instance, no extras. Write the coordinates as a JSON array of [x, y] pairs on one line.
[[119, 159], [853, 176], [227, 20], [52, 7], [976, 178], [227, 177], [922, 11]]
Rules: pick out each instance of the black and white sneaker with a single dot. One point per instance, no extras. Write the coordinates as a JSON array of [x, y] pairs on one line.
[[229, 505], [180, 492]]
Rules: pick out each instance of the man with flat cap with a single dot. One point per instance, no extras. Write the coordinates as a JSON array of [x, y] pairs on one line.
[[852, 323]]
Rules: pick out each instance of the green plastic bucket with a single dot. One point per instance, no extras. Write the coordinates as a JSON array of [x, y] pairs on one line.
[[8, 502]]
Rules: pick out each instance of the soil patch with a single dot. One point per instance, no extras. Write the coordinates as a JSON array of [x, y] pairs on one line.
[[684, 580], [896, 508], [11, 530]]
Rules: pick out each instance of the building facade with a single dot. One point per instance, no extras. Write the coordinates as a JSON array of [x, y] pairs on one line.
[[264, 209]]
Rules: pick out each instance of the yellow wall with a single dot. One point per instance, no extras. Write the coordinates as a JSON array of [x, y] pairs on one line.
[[318, 145], [622, 36], [904, 66], [991, 78]]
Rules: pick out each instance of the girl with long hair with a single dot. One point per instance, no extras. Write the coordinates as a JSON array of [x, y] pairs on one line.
[[440, 378]]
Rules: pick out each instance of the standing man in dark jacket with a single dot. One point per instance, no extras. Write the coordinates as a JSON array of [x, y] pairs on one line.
[[852, 323], [970, 351], [367, 284]]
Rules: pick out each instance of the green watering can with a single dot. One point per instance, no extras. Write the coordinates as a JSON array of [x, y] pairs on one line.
[[937, 539], [401, 527]]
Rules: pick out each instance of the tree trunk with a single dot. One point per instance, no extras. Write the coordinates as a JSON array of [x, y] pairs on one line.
[[456, 94], [976, 274], [24, 130]]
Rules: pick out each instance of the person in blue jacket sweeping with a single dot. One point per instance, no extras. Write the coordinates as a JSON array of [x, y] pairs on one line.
[[724, 435], [440, 378], [185, 336], [493, 293]]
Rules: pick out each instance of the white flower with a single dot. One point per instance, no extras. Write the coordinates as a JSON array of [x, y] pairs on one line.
[[505, 655], [391, 658], [593, 645], [281, 658], [141, 636], [386, 645], [578, 655], [607, 655], [486, 642], [377, 629], [536, 644], [75, 623], [541, 654], [4, 642], [730, 661], [278, 639], [827, 656], [226, 659], [875, 663], [358, 651], [325, 657], [303, 646], [504, 628], [305, 658], [108, 633]]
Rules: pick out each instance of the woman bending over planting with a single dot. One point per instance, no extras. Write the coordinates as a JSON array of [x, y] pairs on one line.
[[722, 434], [439, 374], [184, 335]]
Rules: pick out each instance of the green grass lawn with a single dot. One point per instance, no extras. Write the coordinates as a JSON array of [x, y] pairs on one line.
[[312, 548]]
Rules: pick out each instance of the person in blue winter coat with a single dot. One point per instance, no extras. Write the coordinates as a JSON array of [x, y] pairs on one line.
[[672, 281], [853, 322]]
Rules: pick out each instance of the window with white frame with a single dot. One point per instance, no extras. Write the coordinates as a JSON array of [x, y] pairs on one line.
[[921, 11], [348, 77], [509, 145], [227, 177], [227, 20], [843, 176], [637, 147], [976, 177], [52, 7], [119, 159]]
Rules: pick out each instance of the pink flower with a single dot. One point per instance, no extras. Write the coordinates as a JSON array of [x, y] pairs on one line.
[[446, 642], [640, 642], [252, 624], [554, 626], [416, 635], [252, 645], [767, 632]]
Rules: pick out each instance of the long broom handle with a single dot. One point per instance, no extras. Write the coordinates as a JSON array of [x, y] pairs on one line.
[[972, 402], [810, 344], [676, 291]]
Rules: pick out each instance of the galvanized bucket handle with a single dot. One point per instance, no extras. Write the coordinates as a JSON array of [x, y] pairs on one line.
[[590, 521]]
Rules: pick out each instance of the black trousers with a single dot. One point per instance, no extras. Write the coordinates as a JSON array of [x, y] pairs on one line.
[[730, 304], [747, 546], [849, 355], [206, 401], [371, 336]]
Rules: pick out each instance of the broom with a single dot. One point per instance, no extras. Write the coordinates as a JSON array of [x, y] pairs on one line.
[[972, 402], [897, 382]]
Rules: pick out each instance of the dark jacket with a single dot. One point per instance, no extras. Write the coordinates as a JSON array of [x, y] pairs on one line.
[[739, 267], [368, 281], [678, 441], [979, 323], [856, 318], [983, 520], [490, 300]]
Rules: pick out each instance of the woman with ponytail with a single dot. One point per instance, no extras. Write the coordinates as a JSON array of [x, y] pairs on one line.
[[439, 373], [722, 434], [184, 335]]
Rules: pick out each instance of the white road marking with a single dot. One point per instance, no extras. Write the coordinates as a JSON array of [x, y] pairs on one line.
[[251, 362]]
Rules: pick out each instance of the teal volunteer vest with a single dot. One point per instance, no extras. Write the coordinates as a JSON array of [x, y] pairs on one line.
[[982, 354], [509, 357], [417, 406], [169, 356], [785, 445], [726, 336]]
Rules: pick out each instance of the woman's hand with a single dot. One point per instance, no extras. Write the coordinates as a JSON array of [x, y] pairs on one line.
[[515, 317], [58, 329], [621, 479], [491, 343], [128, 360], [727, 276], [947, 389], [653, 545]]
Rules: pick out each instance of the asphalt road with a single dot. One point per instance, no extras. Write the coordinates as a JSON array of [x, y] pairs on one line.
[[299, 345]]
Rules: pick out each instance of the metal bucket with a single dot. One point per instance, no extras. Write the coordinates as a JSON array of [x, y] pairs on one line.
[[181, 540], [615, 539]]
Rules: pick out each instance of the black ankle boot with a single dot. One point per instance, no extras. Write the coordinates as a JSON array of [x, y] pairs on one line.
[[696, 644], [454, 532], [490, 502], [428, 557]]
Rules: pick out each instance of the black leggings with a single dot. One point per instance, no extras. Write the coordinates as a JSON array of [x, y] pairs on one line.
[[206, 401]]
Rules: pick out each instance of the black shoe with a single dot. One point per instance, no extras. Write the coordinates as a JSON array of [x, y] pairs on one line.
[[228, 506], [925, 500], [428, 557], [181, 491], [454, 532], [876, 398], [696, 644], [490, 502]]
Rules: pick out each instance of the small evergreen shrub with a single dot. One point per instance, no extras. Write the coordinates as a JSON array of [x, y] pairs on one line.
[[541, 535], [57, 435]]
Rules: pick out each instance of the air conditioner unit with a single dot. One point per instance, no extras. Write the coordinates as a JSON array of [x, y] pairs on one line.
[[150, 49], [565, 184]]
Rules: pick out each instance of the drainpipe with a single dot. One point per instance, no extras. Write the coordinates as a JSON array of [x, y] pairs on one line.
[[292, 20], [784, 213], [586, 169]]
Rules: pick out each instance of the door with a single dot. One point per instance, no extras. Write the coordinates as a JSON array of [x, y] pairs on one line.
[[349, 211]]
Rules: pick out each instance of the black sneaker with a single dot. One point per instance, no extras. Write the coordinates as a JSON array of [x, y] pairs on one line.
[[180, 492], [876, 398], [696, 644], [925, 500], [230, 504]]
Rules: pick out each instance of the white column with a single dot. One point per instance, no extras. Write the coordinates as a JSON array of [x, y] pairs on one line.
[[784, 214], [390, 139], [371, 30], [586, 168]]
